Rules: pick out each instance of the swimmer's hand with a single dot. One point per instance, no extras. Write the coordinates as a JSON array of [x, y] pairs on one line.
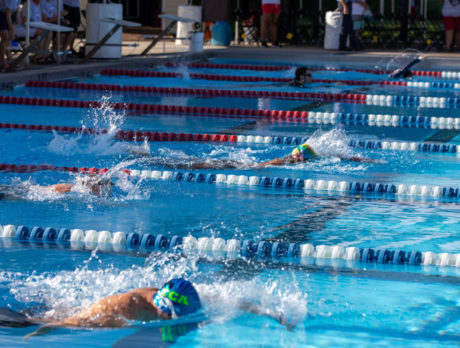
[[252, 308], [362, 160]]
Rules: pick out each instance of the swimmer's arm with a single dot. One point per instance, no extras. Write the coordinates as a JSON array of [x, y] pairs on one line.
[[46, 328], [276, 162], [61, 188], [102, 313], [254, 309], [362, 160]]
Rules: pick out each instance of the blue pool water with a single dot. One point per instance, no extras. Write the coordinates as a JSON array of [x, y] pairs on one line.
[[330, 302]]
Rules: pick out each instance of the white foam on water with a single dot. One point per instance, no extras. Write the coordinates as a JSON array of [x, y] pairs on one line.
[[184, 71], [64, 293], [103, 117]]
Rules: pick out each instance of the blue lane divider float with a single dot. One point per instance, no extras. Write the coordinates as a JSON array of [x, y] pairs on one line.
[[320, 186], [429, 84], [425, 102], [358, 143], [381, 120], [120, 241]]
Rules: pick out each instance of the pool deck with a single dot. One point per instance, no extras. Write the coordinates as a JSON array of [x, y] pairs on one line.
[[166, 51]]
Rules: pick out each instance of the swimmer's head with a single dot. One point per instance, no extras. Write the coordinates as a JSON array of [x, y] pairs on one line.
[[179, 297], [98, 186], [303, 76]]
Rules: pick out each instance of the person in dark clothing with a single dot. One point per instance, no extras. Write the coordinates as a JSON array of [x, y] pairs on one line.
[[347, 26]]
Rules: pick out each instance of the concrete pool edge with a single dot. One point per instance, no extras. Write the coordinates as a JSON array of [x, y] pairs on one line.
[[296, 55]]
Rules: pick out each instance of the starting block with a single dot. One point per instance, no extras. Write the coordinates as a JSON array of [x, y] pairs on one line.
[[174, 20]]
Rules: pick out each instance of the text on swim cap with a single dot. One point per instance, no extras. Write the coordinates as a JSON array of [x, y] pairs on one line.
[[174, 296]]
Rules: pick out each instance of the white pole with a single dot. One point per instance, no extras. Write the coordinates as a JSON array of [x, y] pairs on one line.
[[392, 7], [301, 4], [425, 10], [382, 7], [163, 10], [237, 23], [320, 6], [27, 28]]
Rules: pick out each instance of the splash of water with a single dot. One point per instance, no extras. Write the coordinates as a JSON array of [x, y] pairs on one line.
[[104, 116], [333, 143], [290, 73], [183, 70], [66, 292], [102, 144], [124, 188], [400, 60]]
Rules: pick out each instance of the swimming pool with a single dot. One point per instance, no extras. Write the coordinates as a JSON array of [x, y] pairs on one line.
[[333, 230]]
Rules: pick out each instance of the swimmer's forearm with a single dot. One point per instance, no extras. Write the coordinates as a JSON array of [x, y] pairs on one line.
[[275, 162], [361, 160], [45, 329]]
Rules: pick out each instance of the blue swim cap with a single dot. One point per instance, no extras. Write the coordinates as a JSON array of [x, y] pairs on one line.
[[181, 294]]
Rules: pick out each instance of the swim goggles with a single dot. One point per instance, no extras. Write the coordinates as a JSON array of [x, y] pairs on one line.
[[163, 303]]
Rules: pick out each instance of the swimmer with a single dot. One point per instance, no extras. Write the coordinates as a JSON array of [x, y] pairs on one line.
[[94, 185], [302, 77], [404, 71], [305, 153], [175, 299], [97, 186], [301, 153]]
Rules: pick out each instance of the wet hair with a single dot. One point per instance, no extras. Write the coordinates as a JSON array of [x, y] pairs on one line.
[[300, 71], [302, 77]]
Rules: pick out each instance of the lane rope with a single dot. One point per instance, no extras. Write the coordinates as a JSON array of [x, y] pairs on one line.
[[378, 120], [445, 74], [309, 185], [239, 78], [369, 99], [153, 136], [120, 241]]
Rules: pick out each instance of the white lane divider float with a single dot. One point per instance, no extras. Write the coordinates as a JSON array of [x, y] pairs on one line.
[[119, 241]]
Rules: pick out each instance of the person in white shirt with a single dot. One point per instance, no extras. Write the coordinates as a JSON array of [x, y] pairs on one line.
[[358, 12], [451, 20], [51, 14], [271, 10], [36, 15]]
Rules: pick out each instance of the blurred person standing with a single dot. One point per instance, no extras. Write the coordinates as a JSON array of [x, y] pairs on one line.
[[73, 19], [36, 15], [346, 7], [7, 8], [271, 10], [451, 21], [359, 10]]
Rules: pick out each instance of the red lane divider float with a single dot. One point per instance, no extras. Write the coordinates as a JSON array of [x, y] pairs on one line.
[[128, 135], [29, 168], [285, 67], [146, 73], [347, 97], [162, 109]]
